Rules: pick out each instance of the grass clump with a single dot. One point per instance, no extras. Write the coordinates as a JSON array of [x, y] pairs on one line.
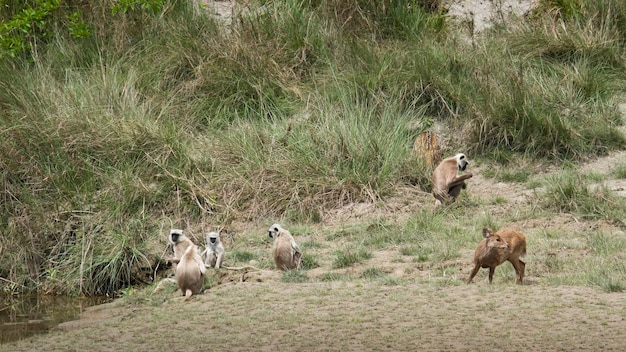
[[573, 192], [350, 256], [620, 171], [294, 276], [309, 262], [327, 277], [373, 273], [242, 256]]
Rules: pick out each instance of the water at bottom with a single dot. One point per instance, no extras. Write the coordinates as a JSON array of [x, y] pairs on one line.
[[21, 317]]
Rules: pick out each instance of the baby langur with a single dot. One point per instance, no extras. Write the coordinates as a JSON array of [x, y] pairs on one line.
[[190, 272], [214, 252], [180, 243], [447, 183], [287, 254]]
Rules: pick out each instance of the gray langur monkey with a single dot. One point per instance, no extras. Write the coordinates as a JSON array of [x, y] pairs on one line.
[[287, 254], [447, 183], [190, 272], [214, 252], [180, 243]]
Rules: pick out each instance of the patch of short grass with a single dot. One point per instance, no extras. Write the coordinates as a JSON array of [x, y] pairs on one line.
[[372, 273], [242, 256], [573, 192], [311, 244], [620, 171], [392, 281], [409, 251], [508, 175], [334, 277], [349, 256], [294, 276], [309, 261], [341, 234], [499, 200], [421, 258]]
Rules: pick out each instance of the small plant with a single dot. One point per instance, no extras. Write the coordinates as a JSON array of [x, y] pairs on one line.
[[339, 235], [571, 192], [519, 176], [553, 263], [609, 278], [500, 200], [308, 262], [392, 281], [372, 273], [242, 256], [620, 171], [350, 256], [294, 276], [410, 251], [421, 258], [334, 277]]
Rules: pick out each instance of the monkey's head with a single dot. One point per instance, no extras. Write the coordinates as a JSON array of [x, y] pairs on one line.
[[176, 235], [274, 230], [461, 161], [212, 237]]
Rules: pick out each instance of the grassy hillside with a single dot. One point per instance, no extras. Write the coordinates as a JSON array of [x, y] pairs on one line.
[[120, 120]]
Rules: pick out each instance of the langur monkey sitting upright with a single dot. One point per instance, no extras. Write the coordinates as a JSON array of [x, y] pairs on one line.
[[190, 272], [447, 183], [180, 243], [287, 254], [214, 252]]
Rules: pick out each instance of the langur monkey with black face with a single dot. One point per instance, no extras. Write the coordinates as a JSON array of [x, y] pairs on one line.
[[287, 254], [214, 252], [180, 243], [447, 183], [190, 272]]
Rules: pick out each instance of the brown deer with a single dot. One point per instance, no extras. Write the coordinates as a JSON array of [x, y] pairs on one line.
[[496, 248]]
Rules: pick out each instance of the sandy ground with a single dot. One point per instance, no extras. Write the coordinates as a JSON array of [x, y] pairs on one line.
[[354, 316]]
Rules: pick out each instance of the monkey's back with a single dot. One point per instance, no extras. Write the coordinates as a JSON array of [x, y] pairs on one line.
[[285, 255], [189, 274], [443, 173]]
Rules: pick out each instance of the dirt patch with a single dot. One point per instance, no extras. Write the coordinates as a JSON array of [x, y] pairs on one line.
[[360, 316], [94, 315], [480, 15]]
